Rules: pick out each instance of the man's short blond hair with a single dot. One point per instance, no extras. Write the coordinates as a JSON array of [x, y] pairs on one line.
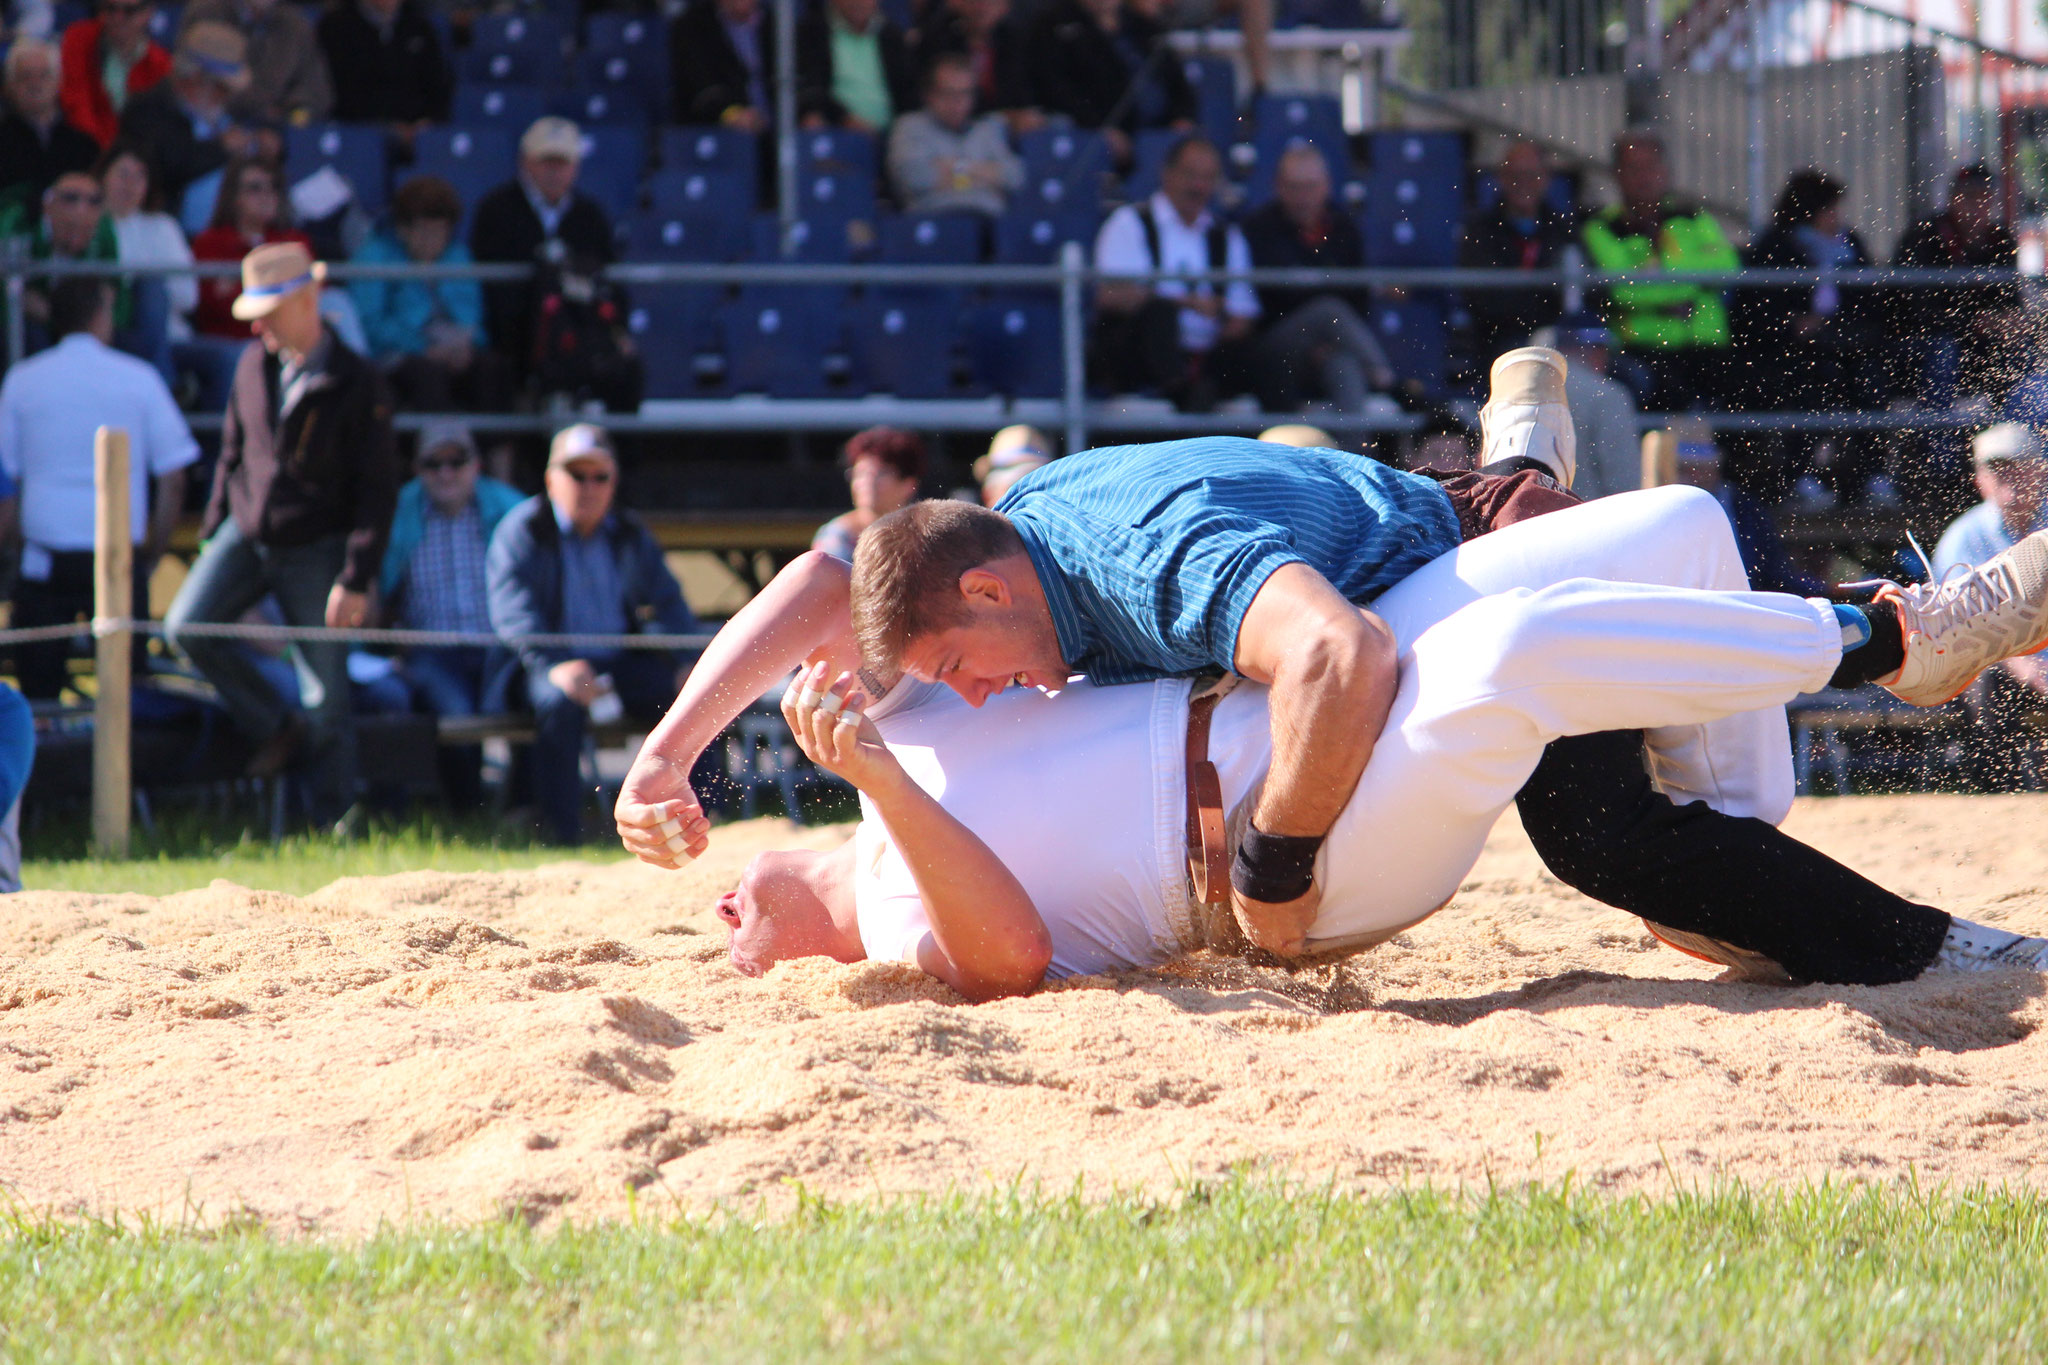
[[906, 574]]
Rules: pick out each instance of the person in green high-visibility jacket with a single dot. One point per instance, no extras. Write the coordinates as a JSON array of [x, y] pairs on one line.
[[1676, 332]]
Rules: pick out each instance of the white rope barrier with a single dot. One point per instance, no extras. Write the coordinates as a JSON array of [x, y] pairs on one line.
[[102, 626]]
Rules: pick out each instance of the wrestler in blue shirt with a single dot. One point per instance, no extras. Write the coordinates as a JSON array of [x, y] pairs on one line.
[[1134, 562]]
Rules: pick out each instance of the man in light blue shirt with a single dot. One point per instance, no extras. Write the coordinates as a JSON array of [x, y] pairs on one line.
[[2012, 476], [50, 407]]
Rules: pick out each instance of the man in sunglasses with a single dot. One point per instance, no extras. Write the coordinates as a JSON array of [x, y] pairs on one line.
[[108, 59], [570, 563], [433, 579]]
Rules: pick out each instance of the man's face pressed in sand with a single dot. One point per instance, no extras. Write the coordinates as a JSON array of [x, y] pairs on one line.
[[794, 903]]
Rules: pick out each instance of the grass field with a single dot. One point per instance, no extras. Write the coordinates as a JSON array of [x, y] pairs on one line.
[[1237, 1272], [183, 854]]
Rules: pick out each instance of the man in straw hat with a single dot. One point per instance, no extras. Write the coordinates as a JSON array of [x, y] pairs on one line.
[[301, 506], [183, 125], [1013, 452]]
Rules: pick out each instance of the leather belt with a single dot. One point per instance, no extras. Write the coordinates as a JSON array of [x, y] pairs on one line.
[[1208, 843]]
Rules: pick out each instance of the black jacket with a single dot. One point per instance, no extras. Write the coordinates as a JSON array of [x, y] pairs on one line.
[[1502, 319], [159, 125], [1932, 242], [814, 69], [506, 229], [375, 81], [1007, 83], [28, 165], [1082, 72], [1764, 317], [330, 468], [705, 71], [1276, 244]]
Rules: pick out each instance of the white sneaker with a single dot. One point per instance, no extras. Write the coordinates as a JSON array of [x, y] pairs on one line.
[[1981, 948], [1971, 618], [1526, 415]]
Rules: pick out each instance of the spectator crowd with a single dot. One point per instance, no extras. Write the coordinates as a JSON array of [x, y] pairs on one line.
[[261, 136]]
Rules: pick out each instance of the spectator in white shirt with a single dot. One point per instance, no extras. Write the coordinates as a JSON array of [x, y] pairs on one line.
[[2012, 477], [1185, 339], [50, 407], [943, 159], [144, 236]]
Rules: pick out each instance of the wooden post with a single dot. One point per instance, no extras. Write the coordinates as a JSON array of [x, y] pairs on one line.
[[113, 599], [1660, 458]]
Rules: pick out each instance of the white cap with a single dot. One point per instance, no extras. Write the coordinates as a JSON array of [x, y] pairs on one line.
[[2006, 443]]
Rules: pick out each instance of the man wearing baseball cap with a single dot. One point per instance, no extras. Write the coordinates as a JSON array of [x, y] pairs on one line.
[[537, 215], [571, 563], [301, 506], [2012, 477]]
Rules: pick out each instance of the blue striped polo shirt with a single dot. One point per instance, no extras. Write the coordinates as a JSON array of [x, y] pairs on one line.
[[1150, 555]]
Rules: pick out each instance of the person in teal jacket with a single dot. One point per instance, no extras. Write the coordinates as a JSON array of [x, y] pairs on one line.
[[428, 336], [433, 579]]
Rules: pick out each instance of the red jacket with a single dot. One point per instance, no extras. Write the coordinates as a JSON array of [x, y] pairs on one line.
[[83, 94], [215, 315]]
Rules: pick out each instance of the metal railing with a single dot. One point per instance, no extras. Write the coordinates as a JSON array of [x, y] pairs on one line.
[[1069, 281]]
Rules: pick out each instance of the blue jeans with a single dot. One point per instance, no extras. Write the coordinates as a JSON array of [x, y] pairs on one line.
[[233, 574], [450, 681], [645, 681]]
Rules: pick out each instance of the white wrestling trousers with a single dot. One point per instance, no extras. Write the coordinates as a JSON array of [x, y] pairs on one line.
[[1677, 537], [1487, 681], [1484, 690]]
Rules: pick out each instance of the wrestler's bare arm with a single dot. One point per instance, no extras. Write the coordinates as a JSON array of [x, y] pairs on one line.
[[987, 938], [801, 615], [1333, 669]]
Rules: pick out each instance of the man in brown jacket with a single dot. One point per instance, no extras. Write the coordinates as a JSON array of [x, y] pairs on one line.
[[301, 507]]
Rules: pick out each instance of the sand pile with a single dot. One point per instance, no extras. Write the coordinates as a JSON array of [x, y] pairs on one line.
[[539, 1043]]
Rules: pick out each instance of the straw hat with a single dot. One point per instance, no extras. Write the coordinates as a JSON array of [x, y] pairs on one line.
[[1298, 434], [273, 272], [217, 51]]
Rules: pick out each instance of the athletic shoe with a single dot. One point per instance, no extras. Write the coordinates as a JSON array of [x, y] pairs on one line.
[[1526, 415], [1969, 619], [1980, 948], [1747, 965]]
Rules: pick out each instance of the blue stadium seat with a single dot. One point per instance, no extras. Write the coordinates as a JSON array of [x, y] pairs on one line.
[[1064, 168], [929, 239], [590, 105], [1415, 334], [513, 107], [838, 151], [1415, 207], [1148, 158], [614, 155], [1214, 81], [355, 151], [622, 31], [845, 198], [490, 66], [729, 150], [698, 237], [816, 243], [163, 26], [903, 347], [685, 191], [1013, 347], [534, 38], [474, 160], [1418, 153], [677, 329], [1036, 238], [1320, 117], [637, 79], [779, 340]]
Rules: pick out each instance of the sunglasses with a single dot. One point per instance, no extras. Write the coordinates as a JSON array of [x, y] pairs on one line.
[[77, 197], [442, 466], [594, 476]]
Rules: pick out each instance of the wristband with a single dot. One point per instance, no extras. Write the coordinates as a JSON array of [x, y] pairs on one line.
[[1275, 868]]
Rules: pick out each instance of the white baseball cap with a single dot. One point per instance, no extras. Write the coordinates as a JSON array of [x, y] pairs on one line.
[[2007, 443]]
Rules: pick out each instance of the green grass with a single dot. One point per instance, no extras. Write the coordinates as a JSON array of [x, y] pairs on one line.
[[185, 853], [1235, 1272]]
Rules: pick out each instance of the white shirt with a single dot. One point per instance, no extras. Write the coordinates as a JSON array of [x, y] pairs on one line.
[[1120, 249], [156, 239], [51, 404], [1082, 797]]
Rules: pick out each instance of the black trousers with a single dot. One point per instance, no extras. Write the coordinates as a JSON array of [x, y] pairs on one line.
[[65, 596], [1603, 829]]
